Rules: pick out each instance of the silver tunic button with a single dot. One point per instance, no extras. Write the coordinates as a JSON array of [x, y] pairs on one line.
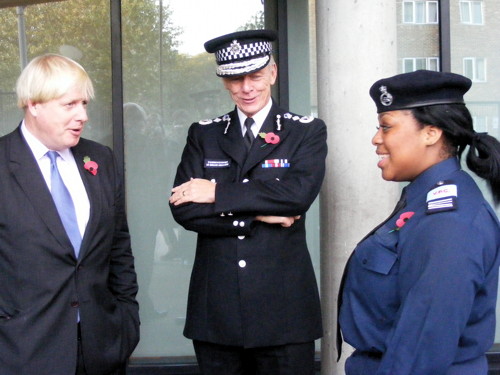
[[242, 264], [241, 237], [236, 223]]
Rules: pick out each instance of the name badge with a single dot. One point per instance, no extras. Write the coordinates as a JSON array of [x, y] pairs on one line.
[[217, 163]]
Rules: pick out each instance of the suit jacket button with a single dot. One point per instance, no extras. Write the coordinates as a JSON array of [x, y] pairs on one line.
[[75, 304], [242, 264]]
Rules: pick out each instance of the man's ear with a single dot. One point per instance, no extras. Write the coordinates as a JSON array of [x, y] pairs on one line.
[[32, 108], [274, 72], [432, 134]]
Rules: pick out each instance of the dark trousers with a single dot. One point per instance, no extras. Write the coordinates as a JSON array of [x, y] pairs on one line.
[[291, 359]]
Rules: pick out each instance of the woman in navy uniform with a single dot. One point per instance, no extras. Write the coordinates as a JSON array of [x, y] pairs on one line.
[[419, 292]]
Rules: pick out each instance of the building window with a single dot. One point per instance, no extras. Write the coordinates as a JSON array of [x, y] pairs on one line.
[[410, 64], [471, 12], [475, 68], [420, 12]]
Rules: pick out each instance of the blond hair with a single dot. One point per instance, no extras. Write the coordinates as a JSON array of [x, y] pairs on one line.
[[49, 77]]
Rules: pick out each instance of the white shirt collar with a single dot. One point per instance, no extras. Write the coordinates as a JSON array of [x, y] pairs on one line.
[[259, 117], [38, 148]]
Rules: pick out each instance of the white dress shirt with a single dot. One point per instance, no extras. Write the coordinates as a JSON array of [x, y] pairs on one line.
[[69, 174], [259, 119]]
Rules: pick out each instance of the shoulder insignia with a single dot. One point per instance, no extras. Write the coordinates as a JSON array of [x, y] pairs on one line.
[[306, 119], [226, 117], [442, 197], [302, 119]]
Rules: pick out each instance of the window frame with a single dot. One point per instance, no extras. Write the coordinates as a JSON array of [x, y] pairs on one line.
[[427, 60], [478, 69], [471, 12], [414, 17]]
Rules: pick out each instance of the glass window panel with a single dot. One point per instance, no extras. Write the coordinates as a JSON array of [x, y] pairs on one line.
[[419, 12], [408, 65], [169, 83], [432, 12], [408, 12], [465, 15], [468, 68], [420, 64], [433, 64], [72, 19], [481, 69], [477, 13]]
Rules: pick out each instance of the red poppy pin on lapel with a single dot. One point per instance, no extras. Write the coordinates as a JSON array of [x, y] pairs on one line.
[[403, 218], [90, 165], [270, 138]]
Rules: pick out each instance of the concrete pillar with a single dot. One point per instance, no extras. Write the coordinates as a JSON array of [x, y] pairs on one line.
[[356, 45]]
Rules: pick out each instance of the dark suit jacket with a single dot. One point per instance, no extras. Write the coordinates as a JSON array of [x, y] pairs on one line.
[[43, 285], [252, 283]]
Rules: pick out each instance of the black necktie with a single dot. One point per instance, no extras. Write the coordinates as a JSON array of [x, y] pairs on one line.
[[401, 203], [249, 137]]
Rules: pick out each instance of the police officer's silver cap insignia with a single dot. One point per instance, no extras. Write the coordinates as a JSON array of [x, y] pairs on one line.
[[386, 98], [235, 47]]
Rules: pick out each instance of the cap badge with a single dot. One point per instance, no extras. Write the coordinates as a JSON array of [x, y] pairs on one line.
[[385, 98], [235, 47]]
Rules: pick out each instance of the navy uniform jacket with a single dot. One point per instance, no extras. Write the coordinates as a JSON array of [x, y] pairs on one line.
[[424, 295], [253, 283]]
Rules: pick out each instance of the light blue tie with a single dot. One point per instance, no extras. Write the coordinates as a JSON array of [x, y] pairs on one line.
[[64, 203]]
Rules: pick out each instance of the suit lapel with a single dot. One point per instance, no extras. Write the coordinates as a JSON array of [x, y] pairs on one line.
[[25, 170], [232, 142], [92, 186]]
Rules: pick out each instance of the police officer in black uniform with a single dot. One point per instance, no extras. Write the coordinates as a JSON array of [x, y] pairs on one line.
[[244, 184], [419, 292]]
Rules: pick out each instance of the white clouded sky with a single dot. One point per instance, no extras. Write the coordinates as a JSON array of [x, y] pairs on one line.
[[202, 20]]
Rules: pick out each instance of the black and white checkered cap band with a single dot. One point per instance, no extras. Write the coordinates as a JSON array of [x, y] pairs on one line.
[[237, 51]]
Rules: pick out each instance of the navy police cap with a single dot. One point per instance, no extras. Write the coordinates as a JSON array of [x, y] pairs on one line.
[[242, 52], [419, 89]]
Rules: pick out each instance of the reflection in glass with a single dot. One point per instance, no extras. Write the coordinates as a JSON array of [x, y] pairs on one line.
[[169, 83]]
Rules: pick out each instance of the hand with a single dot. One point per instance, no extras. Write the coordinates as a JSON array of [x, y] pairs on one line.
[[284, 221], [196, 190]]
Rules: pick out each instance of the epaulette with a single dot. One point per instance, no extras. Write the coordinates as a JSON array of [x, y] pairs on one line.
[[442, 197], [302, 119], [226, 117]]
